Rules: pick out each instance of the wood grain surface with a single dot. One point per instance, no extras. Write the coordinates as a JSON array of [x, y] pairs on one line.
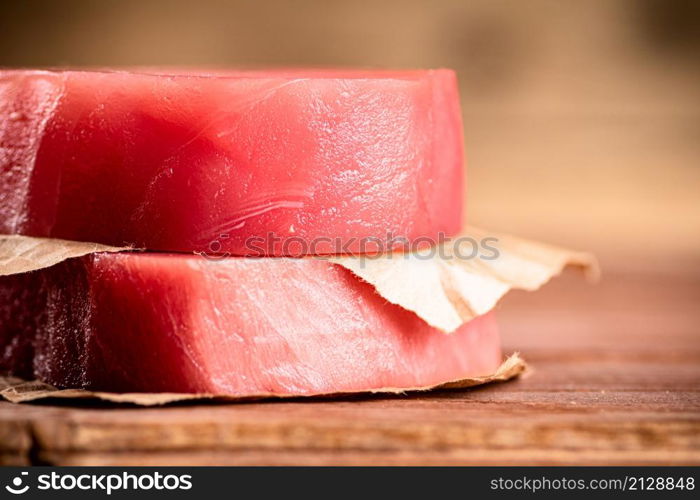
[[615, 381]]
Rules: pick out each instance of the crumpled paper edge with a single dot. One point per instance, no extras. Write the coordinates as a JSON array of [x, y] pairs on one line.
[[21, 254], [447, 292], [16, 390], [443, 290]]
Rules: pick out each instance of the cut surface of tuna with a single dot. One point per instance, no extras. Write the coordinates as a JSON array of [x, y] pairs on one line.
[[241, 327], [289, 162]]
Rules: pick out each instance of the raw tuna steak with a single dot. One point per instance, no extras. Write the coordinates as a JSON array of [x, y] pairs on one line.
[[22, 316], [125, 322], [246, 163]]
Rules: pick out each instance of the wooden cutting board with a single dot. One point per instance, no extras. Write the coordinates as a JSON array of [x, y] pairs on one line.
[[615, 381]]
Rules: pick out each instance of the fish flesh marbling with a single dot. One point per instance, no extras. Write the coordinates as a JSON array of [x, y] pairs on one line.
[[282, 162], [131, 322]]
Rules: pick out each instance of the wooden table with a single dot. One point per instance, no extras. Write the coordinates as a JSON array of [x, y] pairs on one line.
[[615, 381]]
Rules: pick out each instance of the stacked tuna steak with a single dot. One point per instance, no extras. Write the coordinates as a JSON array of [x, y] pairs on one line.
[[212, 171]]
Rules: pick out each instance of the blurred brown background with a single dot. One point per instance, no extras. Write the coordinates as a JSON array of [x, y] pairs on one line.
[[582, 119]]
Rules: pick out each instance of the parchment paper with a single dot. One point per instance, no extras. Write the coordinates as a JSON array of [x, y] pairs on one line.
[[446, 290], [442, 288], [21, 254], [17, 390]]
